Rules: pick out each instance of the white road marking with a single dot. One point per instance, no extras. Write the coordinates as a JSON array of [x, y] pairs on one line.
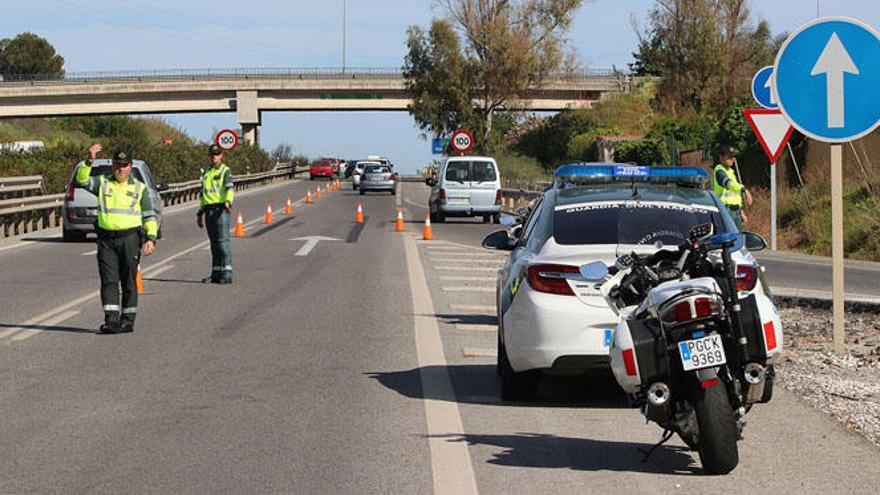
[[450, 460], [467, 289], [470, 352], [448, 268], [156, 273], [476, 328], [30, 332], [471, 261], [488, 280], [90, 253], [311, 242], [473, 307]]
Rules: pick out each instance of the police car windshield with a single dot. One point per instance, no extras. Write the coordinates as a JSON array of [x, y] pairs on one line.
[[107, 170], [613, 215]]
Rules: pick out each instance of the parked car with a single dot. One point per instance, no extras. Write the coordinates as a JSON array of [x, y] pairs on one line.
[[467, 186], [321, 168], [79, 211], [548, 323], [377, 177], [349, 167]]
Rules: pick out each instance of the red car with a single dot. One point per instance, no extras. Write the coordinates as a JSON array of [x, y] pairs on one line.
[[321, 168]]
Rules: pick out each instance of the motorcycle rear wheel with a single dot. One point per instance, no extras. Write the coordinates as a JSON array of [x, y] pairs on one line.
[[718, 434]]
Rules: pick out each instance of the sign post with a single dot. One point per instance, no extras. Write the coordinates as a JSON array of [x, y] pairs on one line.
[[773, 132], [825, 80]]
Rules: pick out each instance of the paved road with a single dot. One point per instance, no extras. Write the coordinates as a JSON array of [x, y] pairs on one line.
[[364, 366]]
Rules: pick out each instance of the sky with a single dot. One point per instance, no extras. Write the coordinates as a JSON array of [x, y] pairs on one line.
[[113, 35]]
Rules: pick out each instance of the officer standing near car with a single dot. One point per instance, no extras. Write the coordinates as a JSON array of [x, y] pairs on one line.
[[728, 187], [215, 210], [126, 228]]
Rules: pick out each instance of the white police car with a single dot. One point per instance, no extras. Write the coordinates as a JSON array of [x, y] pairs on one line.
[[594, 212]]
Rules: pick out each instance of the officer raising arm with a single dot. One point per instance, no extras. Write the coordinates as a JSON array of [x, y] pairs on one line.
[[125, 216]]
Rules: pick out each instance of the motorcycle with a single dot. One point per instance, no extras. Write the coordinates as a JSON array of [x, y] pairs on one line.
[[694, 346]]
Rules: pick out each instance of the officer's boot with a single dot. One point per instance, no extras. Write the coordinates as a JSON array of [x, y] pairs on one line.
[[111, 322]]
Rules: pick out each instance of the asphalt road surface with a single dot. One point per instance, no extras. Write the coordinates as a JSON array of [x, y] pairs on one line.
[[362, 365]]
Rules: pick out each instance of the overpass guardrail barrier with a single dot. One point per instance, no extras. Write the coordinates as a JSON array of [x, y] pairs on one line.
[[29, 214]]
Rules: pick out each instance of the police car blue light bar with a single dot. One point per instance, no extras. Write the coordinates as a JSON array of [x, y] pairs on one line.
[[579, 174]]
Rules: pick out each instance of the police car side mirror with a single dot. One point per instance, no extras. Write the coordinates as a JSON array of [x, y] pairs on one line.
[[754, 242], [163, 187], [500, 240]]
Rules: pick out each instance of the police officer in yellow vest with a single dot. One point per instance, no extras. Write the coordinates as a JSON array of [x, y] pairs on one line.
[[726, 185], [215, 209], [126, 228]]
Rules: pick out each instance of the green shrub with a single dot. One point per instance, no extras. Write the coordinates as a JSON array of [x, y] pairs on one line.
[[521, 170], [642, 152]]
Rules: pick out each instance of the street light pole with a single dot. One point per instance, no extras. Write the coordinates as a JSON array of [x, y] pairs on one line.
[[343, 35]]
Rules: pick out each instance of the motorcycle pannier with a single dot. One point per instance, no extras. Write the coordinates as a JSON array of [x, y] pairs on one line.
[[751, 321], [650, 349]]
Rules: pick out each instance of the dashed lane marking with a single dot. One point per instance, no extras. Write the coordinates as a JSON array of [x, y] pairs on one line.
[[90, 253], [465, 327], [473, 307], [471, 352], [27, 333], [467, 289]]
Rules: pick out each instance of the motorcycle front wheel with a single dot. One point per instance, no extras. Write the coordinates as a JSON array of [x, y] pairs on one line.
[[717, 430]]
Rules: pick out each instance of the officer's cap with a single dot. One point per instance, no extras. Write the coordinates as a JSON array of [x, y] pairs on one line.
[[726, 150], [215, 149], [121, 155]]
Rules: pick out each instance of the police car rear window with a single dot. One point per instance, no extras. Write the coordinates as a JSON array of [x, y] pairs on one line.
[[633, 222]]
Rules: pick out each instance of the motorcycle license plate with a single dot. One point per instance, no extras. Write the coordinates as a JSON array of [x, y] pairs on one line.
[[704, 352]]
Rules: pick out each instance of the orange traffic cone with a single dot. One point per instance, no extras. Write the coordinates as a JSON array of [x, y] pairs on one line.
[[336, 185], [139, 281], [268, 214], [428, 232], [308, 197], [239, 226], [328, 188], [318, 192], [288, 208], [359, 216], [398, 225]]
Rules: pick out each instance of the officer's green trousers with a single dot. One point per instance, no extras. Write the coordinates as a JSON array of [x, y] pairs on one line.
[[217, 225], [118, 258]]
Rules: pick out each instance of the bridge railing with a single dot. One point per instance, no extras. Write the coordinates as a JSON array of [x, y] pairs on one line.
[[260, 72], [25, 215]]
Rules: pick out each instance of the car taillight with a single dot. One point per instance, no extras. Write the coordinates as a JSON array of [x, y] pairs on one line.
[[550, 278], [392, 177], [69, 195], [629, 362], [746, 278], [498, 197], [442, 195]]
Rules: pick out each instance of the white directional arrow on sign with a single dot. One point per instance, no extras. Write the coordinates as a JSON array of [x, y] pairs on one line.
[[311, 242], [834, 62], [769, 86]]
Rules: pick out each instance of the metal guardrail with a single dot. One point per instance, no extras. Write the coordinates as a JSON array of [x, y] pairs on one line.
[[25, 215], [260, 72], [20, 186]]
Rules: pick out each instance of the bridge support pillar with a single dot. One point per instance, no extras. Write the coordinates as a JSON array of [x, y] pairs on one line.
[[251, 134], [248, 116]]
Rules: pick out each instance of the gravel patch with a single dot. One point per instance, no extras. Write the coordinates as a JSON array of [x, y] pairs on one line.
[[846, 387]]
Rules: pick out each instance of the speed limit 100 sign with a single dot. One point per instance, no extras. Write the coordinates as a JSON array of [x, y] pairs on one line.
[[462, 141], [227, 139]]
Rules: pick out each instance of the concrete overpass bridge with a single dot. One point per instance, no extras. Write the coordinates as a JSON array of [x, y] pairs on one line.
[[249, 92]]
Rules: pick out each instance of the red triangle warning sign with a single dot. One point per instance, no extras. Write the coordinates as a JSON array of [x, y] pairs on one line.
[[772, 130]]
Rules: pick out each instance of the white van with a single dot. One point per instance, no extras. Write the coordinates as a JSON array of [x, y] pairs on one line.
[[466, 186]]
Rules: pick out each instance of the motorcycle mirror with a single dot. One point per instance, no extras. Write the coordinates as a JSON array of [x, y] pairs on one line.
[[754, 242], [594, 272]]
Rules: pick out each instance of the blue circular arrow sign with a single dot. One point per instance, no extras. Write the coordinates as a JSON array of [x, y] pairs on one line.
[[761, 88], [826, 79]]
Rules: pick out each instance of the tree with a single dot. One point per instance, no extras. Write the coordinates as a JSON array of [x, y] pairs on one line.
[[27, 56], [509, 47]]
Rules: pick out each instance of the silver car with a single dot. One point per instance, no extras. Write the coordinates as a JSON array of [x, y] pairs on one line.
[[378, 177], [80, 208]]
